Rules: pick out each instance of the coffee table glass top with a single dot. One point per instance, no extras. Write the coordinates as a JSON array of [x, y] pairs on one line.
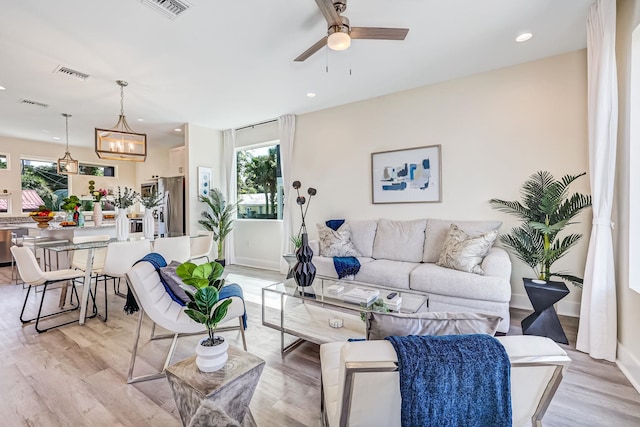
[[322, 292]]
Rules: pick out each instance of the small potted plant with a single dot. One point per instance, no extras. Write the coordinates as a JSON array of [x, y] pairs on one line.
[[150, 202], [218, 218], [203, 283]]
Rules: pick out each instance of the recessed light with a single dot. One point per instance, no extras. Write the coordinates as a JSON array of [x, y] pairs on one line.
[[523, 37], [140, 120], [311, 95], [56, 138], [178, 130], [2, 88]]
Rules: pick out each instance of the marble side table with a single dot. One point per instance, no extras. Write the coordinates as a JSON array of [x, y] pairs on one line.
[[216, 398]]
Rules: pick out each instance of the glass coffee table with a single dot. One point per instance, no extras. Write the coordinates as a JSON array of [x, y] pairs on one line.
[[315, 313]]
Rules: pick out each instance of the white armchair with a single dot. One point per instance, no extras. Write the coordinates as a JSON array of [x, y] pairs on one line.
[[360, 381]]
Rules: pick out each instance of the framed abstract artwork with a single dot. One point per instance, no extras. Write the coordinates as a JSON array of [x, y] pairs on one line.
[[411, 175], [205, 176]]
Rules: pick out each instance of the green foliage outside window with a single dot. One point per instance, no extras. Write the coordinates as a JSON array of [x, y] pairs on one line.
[[257, 173]]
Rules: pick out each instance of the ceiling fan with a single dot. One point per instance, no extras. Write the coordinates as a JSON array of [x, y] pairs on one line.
[[340, 32]]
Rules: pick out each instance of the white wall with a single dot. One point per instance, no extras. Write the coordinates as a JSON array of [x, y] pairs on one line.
[[495, 128], [157, 164], [78, 184], [203, 148], [628, 300]]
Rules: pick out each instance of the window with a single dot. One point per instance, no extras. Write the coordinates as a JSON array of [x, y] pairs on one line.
[[42, 185], [259, 182], [96, 170], [4, 161]]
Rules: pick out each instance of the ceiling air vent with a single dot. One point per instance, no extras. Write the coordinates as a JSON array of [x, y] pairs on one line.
[[170, 8], [71, 73], [34, 103]]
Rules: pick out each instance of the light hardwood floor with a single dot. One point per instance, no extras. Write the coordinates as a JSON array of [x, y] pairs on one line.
[[75, 375]]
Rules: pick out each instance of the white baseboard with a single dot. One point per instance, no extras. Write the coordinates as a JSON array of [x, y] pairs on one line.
[[564, 308], [258, 263], [629, 365]]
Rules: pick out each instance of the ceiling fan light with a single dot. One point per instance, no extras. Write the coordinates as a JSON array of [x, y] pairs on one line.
[[339, 41]]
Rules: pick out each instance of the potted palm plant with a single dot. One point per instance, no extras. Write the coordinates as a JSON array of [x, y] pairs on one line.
[[546, 210], [204, 283], [218, 218]]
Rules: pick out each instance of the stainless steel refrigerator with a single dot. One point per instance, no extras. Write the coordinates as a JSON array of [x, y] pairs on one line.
[[171, 220]]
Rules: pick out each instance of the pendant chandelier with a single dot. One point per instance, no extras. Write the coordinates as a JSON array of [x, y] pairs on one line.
[[66, 165], [121, 142]]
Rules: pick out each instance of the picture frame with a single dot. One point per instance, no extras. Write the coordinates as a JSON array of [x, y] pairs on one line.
[[410, 175], [205, 181]]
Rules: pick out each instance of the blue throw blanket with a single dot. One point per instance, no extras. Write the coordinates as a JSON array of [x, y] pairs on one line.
[[172, 287], [453, 381], [344, 265]]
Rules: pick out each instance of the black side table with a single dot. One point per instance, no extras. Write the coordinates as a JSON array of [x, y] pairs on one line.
[[544, 320]]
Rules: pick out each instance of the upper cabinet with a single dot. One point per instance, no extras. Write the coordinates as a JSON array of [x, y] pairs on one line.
[[177, 159]]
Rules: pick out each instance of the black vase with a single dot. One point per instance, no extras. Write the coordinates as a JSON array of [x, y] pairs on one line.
[[304, 271]]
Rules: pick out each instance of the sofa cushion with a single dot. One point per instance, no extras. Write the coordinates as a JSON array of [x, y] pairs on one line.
[[362, 234], [399, 240], [432, 278], [383, 272], [437, 229], [336, 242], [433, 323], [465, 253]]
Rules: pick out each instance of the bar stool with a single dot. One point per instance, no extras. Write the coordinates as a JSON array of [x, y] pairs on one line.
[[33, 276]]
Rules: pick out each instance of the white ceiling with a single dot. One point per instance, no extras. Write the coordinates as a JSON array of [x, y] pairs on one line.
[[226, 64]]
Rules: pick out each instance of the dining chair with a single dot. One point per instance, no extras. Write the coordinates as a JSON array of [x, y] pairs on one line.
[[79, 262], [154, 301], [173, 248], [201, 246], [33, 276], [120, 257]]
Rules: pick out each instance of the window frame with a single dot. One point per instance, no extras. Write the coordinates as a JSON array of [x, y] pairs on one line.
[[279, 183]]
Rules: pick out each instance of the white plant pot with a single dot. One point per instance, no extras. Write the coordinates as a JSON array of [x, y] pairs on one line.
[[210, 359], [122, 225], [148, 224], [97, 214]]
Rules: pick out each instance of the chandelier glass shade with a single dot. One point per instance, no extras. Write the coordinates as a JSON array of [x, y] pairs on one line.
[[121, 142], [66, 164]]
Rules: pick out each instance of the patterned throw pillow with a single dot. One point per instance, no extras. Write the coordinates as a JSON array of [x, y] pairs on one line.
[[336, 242], [465, 253]]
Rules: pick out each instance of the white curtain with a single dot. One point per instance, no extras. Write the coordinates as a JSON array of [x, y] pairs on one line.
[[597, 334], [287, 127], [229, 155]]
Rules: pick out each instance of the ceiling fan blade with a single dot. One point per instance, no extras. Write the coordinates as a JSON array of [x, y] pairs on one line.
[[329, 12], [378, 33], [313, 49]]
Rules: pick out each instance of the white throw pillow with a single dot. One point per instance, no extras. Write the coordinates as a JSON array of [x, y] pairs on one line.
[[336, 242], [465, 253], [437, 230]]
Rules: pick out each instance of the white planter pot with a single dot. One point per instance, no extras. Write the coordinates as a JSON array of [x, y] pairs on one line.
[[122, 225], [148, 224], [97, 214], [210, 359]]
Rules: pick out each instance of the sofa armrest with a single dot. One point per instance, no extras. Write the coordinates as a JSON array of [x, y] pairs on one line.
[[315, 246], [497, 263]]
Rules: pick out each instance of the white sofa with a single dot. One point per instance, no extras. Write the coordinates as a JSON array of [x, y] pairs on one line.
[[360, 381], [403, 255]]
